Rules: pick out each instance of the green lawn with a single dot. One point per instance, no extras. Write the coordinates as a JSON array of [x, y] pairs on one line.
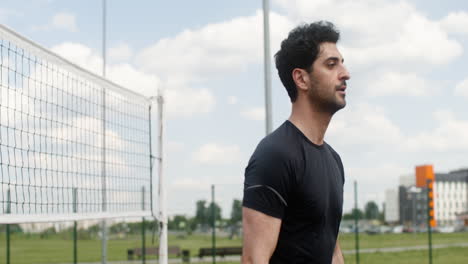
[[455, 255], [32, 249]]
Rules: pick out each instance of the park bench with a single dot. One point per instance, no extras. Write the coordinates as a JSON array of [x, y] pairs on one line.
[[220, 251], [138, 252]]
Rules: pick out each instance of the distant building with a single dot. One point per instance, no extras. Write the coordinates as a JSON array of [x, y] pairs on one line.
[[413, 206], [451, 196], [392, 208], [450, 200], [408, 180], [462, 219]]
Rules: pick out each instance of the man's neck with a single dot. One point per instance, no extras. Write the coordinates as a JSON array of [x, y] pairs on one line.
[[311, 122]]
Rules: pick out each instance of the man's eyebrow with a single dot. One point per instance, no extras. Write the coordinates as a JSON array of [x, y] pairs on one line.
[[334, 59]]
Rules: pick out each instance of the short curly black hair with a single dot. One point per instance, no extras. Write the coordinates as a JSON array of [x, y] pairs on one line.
[[301, 49]]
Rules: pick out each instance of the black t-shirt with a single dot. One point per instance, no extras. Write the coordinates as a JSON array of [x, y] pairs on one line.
[[291, 178]]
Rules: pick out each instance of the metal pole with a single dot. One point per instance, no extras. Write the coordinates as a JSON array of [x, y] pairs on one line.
[[267, 64], [356, 229], [143, 238], [429, 228], [162, 190], [213, 215], [75, 233], [104, 38], [151, 157], [413, 196], [8, 211], [104, 207]]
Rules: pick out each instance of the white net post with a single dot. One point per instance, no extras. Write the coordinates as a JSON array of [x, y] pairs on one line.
[[163, 257]]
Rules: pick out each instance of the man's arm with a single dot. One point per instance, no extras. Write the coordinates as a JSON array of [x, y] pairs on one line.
[[260, 232], [337, 254]]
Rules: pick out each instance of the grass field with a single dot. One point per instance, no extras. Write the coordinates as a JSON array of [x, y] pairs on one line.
[[32, 249], [454, 255]]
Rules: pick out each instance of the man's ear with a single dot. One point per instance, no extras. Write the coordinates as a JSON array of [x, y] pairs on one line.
[[301, 79]]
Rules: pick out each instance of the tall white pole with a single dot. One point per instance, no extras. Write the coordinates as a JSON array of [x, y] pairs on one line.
[[267, 64], [104, 38], [162, 188], [104, 198]]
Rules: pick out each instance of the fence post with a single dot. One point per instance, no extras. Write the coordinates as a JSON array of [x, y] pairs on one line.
[[429, 228], [8, 211], [75, 232], [356, 228], [213, 213], [143, 238]]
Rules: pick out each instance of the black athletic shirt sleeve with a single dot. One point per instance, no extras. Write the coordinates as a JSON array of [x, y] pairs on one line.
[[339, 162], [268, 180]]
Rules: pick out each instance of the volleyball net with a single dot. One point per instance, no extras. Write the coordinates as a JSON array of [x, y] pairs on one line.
[[73, 145]]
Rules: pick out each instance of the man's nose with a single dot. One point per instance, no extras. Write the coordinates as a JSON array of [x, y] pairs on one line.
[[344, 75]]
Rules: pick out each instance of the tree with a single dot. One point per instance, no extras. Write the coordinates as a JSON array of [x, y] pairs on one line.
[[382, 213], [371, 210], [200, 214], [178, 222], [203, 214], [209, 213], [48, 232], [236, 212], [191, 225], [14, 228], [353, 213]]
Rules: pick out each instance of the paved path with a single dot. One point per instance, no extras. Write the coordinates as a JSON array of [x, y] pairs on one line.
[[195, 259], [399, 249]]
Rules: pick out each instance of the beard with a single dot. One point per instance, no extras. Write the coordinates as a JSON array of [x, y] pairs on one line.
[[325, 100]]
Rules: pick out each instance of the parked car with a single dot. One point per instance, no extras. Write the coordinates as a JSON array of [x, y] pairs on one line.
[[446, 229], [385, 229], [373, 230], [397, 229], [408, 230]]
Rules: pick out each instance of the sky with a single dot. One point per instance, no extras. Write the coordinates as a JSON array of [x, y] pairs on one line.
[[407, 100]]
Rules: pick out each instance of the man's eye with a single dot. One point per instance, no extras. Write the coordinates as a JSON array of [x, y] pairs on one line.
[[330, 65]]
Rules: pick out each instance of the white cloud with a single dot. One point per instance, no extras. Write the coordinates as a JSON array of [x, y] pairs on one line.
[[380, 31], [131, 78], [369, 128], [455, 22], [217, 154], [254, 113], [396, 83], [192, 183], [180, 101], [175, 146], [203, 53], [121, 52], [449, 135], [462, 88], [232, 100], [81, 55], [364, 125], [64, 21], [185, 102]]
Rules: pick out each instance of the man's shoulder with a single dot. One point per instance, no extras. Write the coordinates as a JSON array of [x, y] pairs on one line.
[[280, 142], [333, 152]]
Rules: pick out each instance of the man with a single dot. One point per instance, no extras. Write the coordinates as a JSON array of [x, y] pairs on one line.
[[293, 189]]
